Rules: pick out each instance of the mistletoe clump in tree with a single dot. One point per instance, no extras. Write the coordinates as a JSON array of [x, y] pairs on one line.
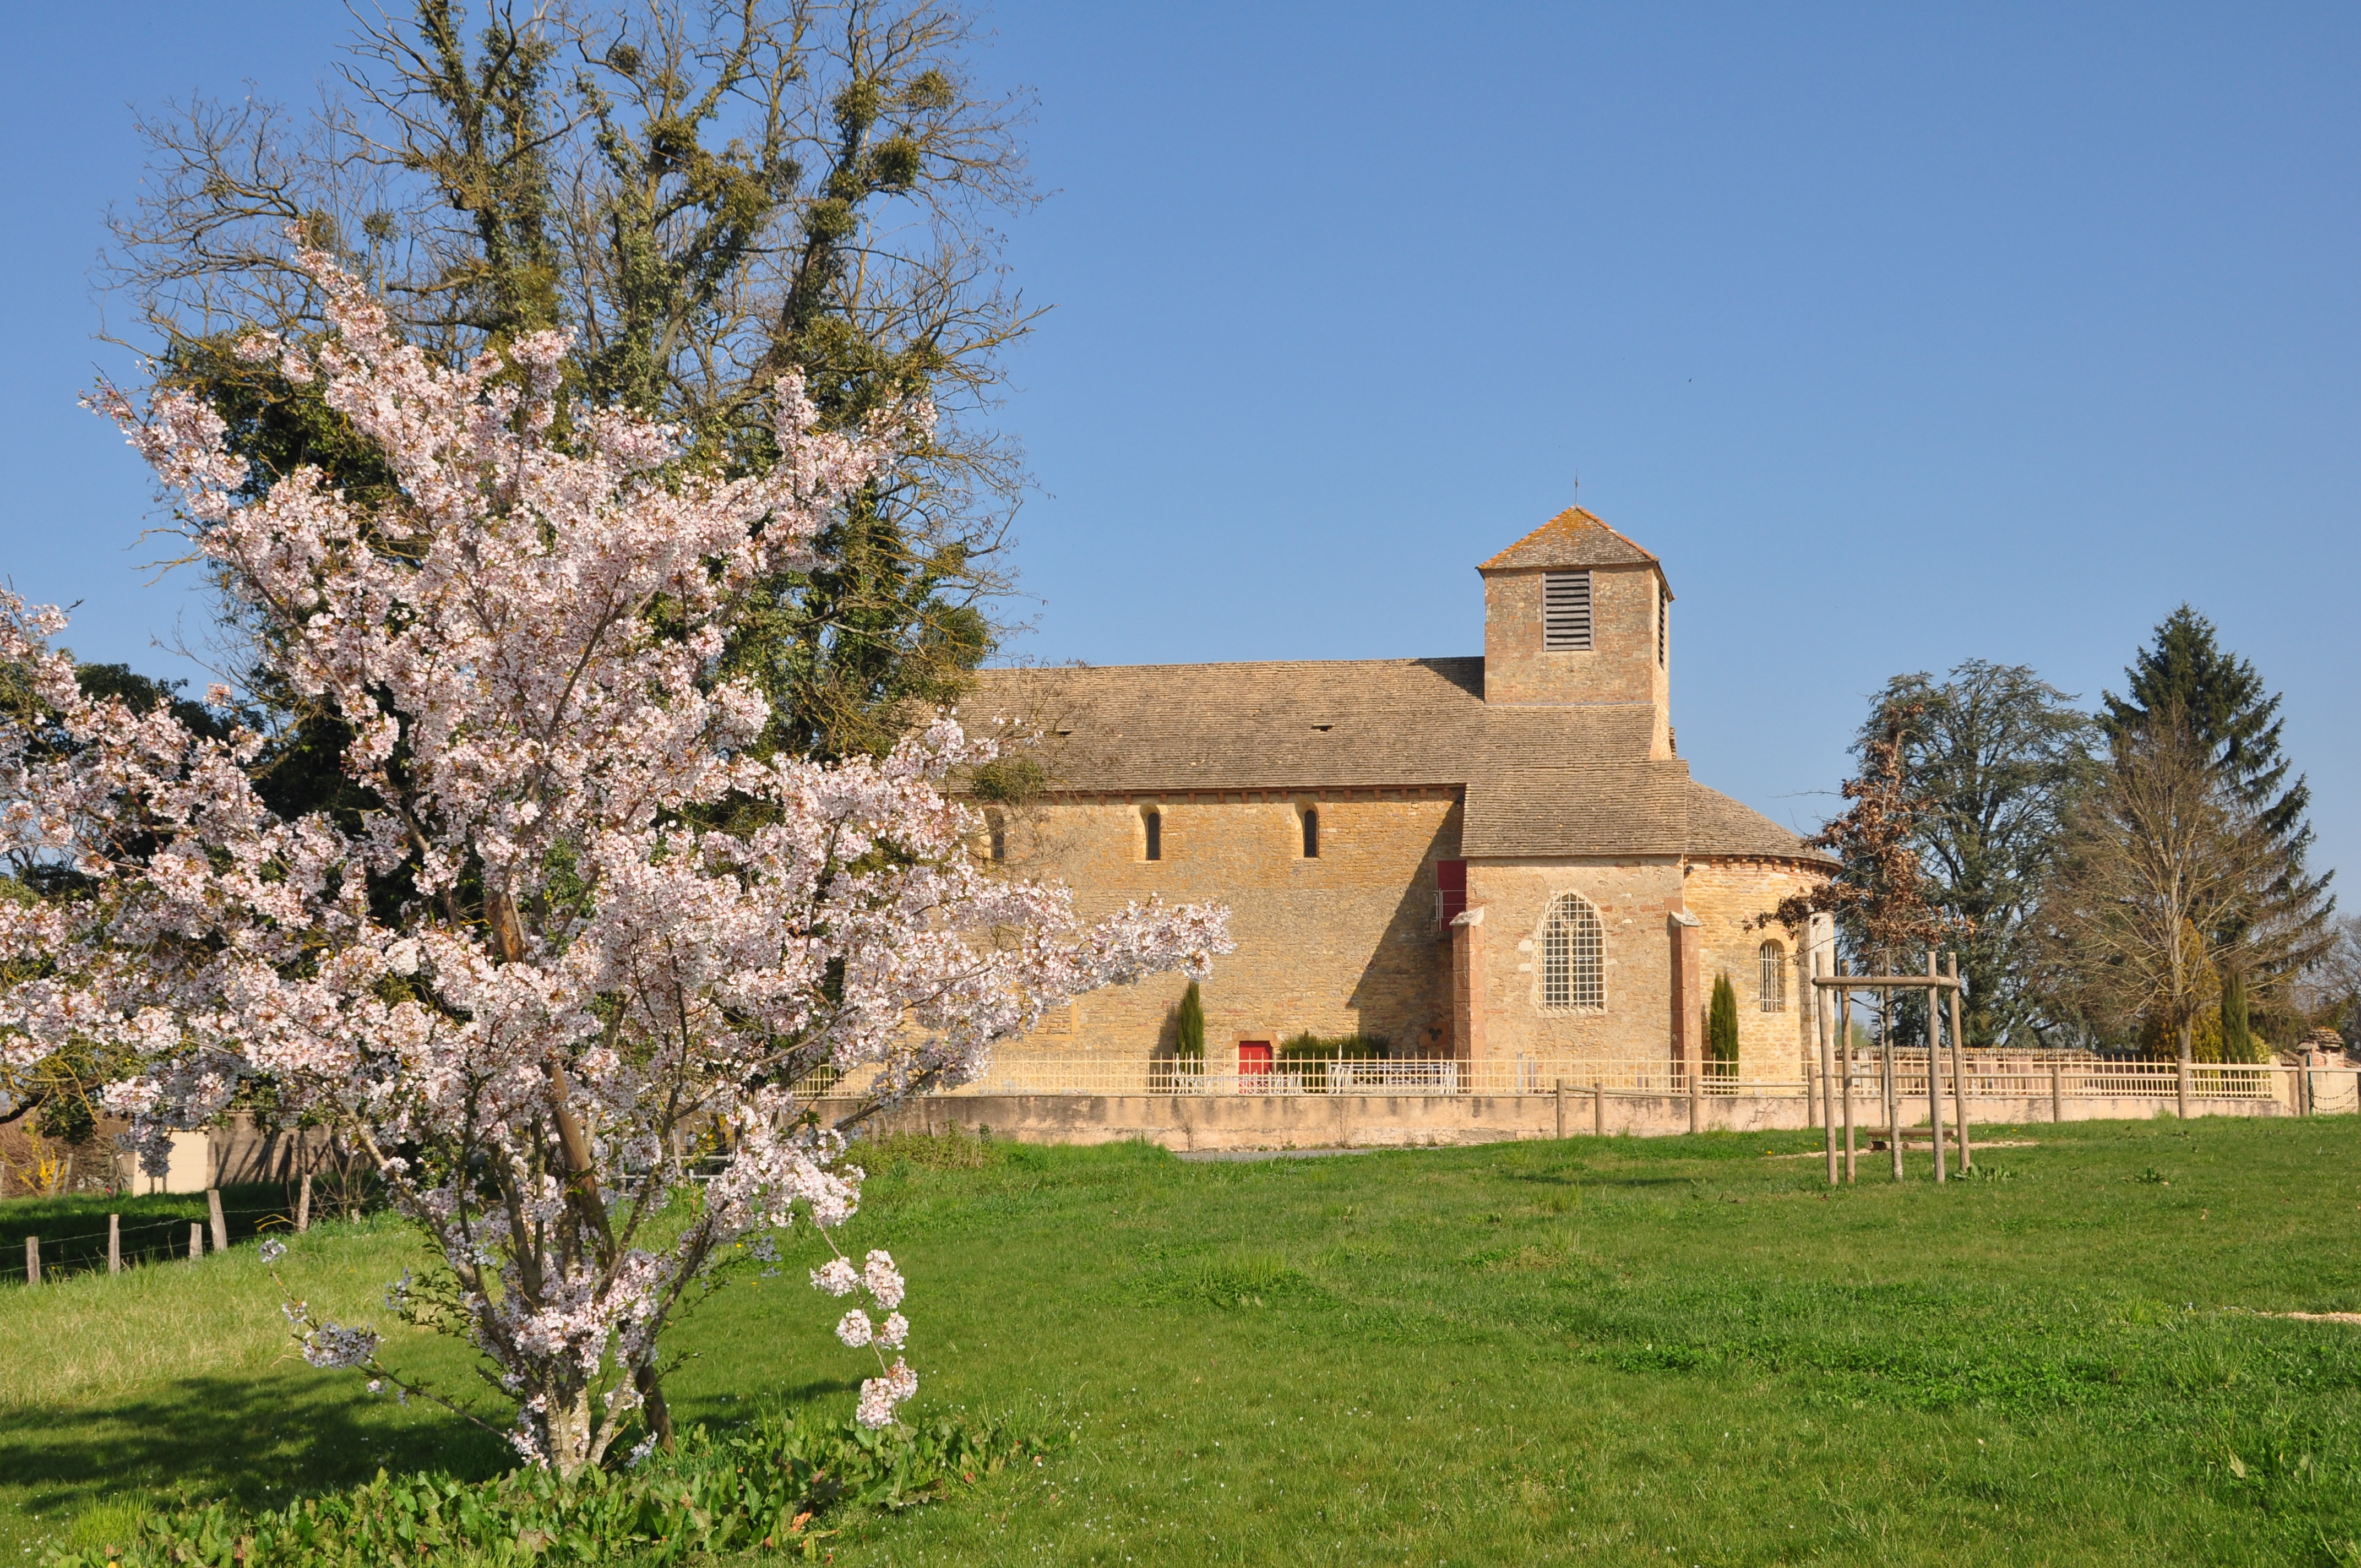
[[576, 914]]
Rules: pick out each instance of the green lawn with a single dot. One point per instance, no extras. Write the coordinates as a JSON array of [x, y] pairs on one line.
[[1597, 1351]]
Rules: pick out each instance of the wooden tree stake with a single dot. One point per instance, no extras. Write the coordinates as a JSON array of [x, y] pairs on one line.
[[196, 1241], [1891, 1085], [1935, 1069], [221, 1225], [1827, 1073], [114, 1243], [1958, 1065], [1844, 1034]]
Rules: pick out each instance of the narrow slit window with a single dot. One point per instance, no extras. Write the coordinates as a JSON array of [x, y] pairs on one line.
[[1573, 956], [996, 827], [1565, 611], [1773, 983], [1311, 833], [1153, 821]]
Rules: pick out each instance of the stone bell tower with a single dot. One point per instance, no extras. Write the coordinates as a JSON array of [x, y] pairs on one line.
[[1576, 614]]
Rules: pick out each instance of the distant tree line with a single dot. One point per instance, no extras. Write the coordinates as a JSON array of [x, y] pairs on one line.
[[2135, 878]]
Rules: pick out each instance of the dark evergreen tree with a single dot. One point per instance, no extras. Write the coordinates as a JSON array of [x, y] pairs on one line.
[[1189, 1027], [2185, 678], [1722, 1026]]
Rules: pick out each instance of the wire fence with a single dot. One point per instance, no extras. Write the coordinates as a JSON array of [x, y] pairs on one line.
[[145, 1235]]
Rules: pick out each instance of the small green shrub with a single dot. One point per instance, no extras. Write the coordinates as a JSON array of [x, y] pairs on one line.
[[1722, 1028], [1309, 1054], [1189, 1027], [770, 1487], [1308, 1046], [2238, 1042]]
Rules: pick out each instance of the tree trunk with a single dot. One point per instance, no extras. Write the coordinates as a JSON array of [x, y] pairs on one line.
[[2180, 1076], [567, 1423]]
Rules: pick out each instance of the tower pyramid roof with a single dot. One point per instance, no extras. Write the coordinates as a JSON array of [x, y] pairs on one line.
[[1572, 538]]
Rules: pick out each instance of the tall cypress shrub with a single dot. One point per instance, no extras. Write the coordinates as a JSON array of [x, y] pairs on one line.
[[2238, 1043], [1189, 1027], [1721, 1027]]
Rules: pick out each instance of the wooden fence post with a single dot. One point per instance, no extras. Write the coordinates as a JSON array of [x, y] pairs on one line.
[[1696, 1091], [196, 1241], [32, 1260], [1561, 1109], [2056, 1094], [303, 1205], [221, 1225], [1935, 1070], [114, 1243]]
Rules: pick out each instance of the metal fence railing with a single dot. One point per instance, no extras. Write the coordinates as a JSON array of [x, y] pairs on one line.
[[2080, 1078]]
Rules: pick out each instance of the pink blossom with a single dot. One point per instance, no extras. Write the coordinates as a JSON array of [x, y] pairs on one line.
[[537, 921]]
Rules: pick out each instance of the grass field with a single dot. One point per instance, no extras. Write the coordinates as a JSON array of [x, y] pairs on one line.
[[1597, 1351]]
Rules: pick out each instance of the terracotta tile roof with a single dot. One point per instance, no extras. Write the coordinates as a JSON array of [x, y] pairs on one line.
[[1539, 780], [1572, 538]]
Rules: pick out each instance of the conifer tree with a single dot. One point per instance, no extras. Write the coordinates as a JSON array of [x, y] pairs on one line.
[[2238, 1029], [2186, 679], [1189, 1027], [1722, 1026]]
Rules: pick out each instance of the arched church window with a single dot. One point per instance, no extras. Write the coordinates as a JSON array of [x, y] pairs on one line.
[[1151, 822], [1572, 955], [996, 828], [1311, 832], [1772, 989]]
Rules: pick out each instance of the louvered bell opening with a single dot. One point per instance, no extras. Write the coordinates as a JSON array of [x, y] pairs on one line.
[[1565, 611]]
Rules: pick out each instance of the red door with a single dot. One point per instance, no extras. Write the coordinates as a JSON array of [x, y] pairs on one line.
[[1254, 1066]]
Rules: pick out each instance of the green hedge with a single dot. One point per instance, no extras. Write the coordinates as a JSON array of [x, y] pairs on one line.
[[1309, 1054]]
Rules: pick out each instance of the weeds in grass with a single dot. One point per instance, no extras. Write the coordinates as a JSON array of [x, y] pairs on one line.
[[774, 1488]]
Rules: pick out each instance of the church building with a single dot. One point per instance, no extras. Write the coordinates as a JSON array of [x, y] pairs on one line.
[[1499, 863]]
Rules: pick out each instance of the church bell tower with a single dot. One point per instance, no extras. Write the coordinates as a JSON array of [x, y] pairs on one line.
[[1574, 614]]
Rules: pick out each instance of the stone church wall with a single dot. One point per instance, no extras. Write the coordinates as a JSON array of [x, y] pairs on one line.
[[1632, 900], [1343, 942], [1727, 896]]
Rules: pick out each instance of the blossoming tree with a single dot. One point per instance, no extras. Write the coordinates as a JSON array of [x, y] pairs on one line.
[[580, 920]]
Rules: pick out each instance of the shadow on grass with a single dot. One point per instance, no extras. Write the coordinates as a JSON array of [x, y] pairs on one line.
[[259, 1441]]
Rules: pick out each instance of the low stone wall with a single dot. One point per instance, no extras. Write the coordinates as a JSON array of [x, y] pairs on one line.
[[1185, 1123]]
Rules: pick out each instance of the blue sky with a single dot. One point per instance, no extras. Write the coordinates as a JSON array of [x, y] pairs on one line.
[[1904, 335]]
